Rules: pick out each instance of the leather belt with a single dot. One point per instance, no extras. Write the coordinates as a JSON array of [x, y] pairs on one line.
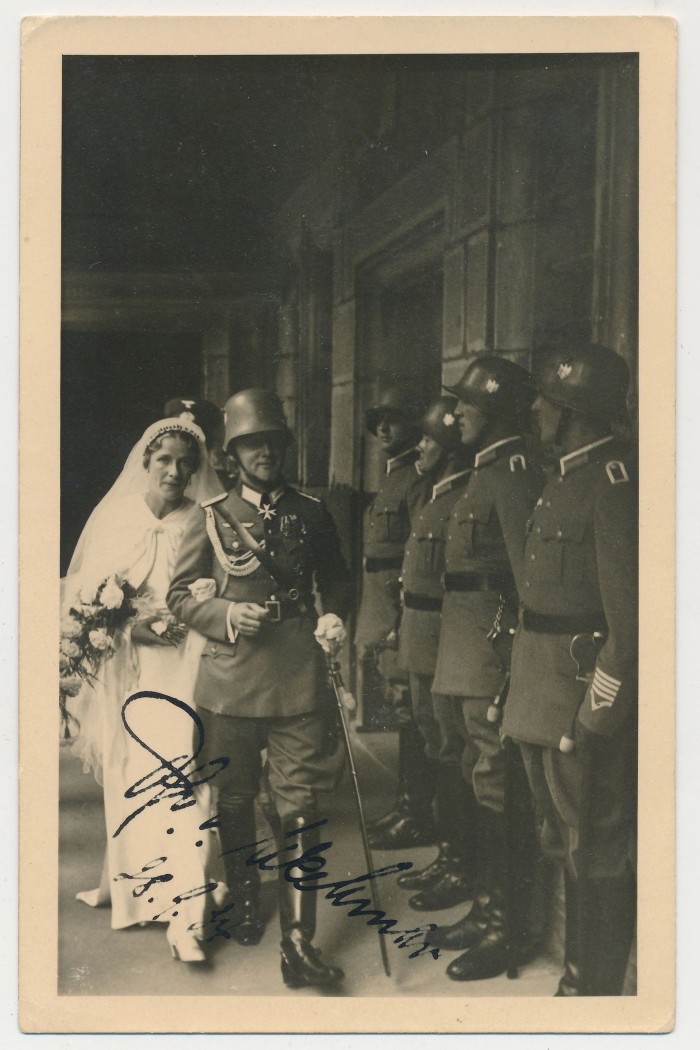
[[378, 564], [543, 623], [477, 581], [422, 602], [286, 609]]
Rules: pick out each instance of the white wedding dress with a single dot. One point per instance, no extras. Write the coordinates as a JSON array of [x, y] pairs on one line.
[[162, 859]]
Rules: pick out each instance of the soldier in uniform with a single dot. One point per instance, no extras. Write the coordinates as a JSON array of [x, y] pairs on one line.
[[572, 702], [443, 463], [394, 423], [210, 420], [485, 540], [261, 675]]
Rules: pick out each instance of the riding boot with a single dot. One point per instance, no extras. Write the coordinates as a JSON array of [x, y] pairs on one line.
[[570, 983], [412, 824], [237, 833], [457, 814], [612, 919], [301, 962], [503, 942]]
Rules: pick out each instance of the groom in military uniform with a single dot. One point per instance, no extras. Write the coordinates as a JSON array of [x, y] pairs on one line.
[[261, 678]]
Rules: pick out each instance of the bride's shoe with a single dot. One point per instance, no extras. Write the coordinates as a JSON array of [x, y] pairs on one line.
[[97, 898], [184, 945]]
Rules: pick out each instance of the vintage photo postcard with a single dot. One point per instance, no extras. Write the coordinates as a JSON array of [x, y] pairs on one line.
[[347, 530]]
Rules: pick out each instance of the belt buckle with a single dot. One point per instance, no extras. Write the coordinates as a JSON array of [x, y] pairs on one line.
[[274, 607]]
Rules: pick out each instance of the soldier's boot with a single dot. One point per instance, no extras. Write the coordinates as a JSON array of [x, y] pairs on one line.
[[612, 913], [467, 931], [412, 822], [570, 983], [236, 832], [301, 962], [457, 816], [504, 941]]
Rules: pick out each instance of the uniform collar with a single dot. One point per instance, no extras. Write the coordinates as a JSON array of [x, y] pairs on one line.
[[409, 455], [493, 452], [449, 484], [251, 496], [573, 460]]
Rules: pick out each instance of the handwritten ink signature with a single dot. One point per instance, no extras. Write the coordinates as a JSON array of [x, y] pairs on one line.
[[311, 868], [172, 778]]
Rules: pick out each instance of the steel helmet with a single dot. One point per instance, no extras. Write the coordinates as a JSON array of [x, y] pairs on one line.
[[590, 379], [397, 402], [254, 411], [496, 386], [440, 422]]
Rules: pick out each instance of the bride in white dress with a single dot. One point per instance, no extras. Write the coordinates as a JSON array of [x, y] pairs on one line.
[[160, 863]]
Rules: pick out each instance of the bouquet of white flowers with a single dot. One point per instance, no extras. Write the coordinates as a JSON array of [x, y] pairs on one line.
[[88, 637]]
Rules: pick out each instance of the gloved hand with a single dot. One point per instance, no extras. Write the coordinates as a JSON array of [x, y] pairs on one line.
[[330, 633]]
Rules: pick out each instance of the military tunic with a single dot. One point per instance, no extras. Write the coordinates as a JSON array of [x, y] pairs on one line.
[[483, 557], [279, 671], [422, 576], [580, 576], [386, 529]]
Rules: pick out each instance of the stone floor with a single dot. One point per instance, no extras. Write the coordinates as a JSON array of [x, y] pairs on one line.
[[95, 960]]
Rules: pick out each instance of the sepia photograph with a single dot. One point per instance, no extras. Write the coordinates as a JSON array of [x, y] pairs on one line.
[[350, 412]]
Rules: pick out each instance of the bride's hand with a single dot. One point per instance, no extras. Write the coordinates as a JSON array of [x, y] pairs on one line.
[[165, 633]]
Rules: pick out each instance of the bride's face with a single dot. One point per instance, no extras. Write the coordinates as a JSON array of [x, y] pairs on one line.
[[170, 468]]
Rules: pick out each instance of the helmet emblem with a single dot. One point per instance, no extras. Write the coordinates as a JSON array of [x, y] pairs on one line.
[[448, 419], [187, 404], [564, 370], [492, 385]]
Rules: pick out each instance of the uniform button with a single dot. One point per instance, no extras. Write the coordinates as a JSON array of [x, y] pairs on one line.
[[471, 516], [430, 535], [527, 583], [548, 504], [532, 557], [538, 529], [236, 545], [559, 534]]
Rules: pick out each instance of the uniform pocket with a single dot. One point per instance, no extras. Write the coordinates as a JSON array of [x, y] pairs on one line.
[[430, 556], [567, 550], [392, 521]]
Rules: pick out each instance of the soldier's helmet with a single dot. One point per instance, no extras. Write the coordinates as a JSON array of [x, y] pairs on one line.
[[254, 411], [206, 415], [496, 386], [589, 379], [440, 422], [397, 403]]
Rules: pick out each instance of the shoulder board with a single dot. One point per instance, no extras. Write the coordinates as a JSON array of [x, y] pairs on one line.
[[214, 499], [455, 481], [518, 462], [404, 459], [617, 472], [306, 495]]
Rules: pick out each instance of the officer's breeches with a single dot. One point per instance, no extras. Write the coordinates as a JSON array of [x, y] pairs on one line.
[[299, 765], [556, 781]]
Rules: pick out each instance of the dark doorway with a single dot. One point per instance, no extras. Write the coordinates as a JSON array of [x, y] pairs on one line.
[[113, 385]]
